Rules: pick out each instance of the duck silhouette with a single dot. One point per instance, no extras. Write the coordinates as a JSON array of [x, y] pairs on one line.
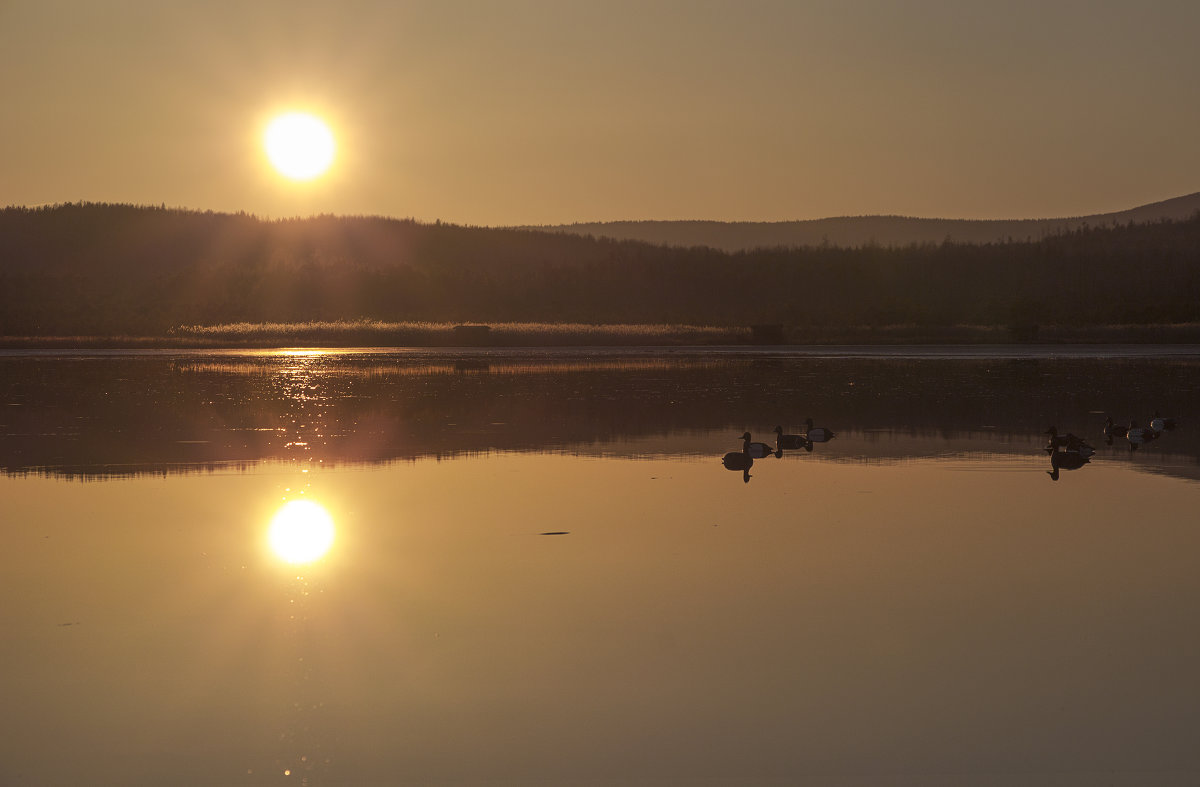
[[1161, 423], [1067, 443], [817, 434], [790, 442], [1056, 440], [1111, 430], [755, 450], [1139, 435]]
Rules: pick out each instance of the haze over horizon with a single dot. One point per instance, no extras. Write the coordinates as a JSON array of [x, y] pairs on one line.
[[539, 112]]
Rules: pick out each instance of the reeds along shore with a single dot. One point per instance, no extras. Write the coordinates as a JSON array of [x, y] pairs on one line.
[[368, 333]]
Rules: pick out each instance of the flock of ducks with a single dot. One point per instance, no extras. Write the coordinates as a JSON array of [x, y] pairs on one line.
[[1069, 452], [744, 459], [1138, 435]]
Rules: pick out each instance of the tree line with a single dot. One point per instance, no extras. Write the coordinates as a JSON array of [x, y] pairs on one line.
[[855, 231], [105, 269]]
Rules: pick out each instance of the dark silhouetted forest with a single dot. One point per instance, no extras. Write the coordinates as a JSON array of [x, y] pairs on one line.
[[115, 269]]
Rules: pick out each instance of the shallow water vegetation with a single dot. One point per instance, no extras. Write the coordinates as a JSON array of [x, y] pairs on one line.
[[378, 333], [515, 334], [445, 334]]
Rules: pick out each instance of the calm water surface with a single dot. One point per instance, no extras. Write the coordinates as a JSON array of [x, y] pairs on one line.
[[918, 601]]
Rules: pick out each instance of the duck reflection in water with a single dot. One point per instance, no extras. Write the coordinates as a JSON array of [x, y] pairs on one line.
[[739, 460], [1067, 452], [1066, 460]]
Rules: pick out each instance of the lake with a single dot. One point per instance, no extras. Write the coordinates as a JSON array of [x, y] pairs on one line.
[[531, 567]]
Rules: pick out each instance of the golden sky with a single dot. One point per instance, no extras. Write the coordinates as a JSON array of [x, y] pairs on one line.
[[551, 111]]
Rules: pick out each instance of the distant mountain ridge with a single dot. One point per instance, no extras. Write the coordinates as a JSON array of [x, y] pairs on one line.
[[858, 231]]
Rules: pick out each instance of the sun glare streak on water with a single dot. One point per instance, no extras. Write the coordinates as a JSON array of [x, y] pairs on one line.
[[301, 353], [301, 532]]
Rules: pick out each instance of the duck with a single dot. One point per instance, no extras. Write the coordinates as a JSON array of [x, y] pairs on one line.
[[1138, 435], [1056, 440], [755, 450], [1111, 430], [1161, 423], [790, 442], [817, 434], [1067, 443], [1080, 449]]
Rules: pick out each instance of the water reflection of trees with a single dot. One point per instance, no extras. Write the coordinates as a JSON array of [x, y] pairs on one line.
[[120, 414]]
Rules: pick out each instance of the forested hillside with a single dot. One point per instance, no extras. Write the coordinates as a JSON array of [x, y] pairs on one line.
[[114, 269], [855, 231]]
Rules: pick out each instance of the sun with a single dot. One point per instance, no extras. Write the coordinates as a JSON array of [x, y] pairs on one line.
[[301, 532], [300, 146]]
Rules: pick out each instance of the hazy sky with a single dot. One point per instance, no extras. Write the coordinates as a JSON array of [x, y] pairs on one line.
[[548, 111]]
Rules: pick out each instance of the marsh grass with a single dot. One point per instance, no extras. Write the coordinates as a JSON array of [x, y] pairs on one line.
[[443, 334], [374, 333]]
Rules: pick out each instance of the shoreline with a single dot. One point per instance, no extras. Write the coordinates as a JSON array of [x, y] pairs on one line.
[[915, 352], [535, 335]]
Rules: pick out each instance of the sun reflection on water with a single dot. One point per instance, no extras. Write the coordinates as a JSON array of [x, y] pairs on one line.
[[301, 532]]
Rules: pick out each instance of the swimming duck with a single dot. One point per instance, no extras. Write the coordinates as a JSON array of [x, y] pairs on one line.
[[790, 442], [1160, 423], [1067, 443], [817, 434], [1055, 440], [1137, 435], [1080, 449], [755, 450], [1111, 430]]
